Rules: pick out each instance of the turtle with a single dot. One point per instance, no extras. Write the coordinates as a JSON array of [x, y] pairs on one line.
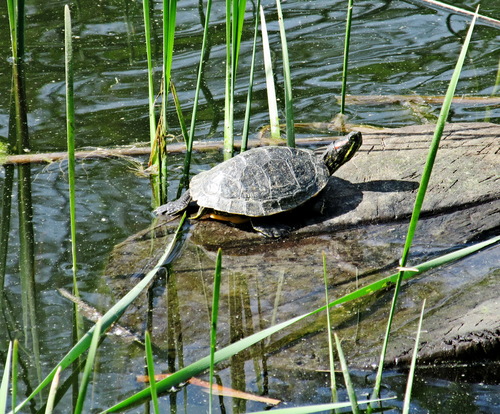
[[262, 182]]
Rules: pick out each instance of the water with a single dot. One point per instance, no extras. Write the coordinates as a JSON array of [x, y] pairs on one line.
[[397, 48]]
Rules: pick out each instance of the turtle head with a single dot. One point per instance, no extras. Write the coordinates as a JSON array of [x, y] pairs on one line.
[[341, 151]]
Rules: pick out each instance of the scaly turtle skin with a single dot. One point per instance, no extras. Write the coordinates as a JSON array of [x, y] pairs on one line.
[[265, 181]]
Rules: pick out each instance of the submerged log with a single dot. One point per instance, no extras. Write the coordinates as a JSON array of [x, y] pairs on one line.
[[365, 208]]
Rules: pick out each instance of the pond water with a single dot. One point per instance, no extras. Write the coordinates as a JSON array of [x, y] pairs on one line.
[[397, 48]]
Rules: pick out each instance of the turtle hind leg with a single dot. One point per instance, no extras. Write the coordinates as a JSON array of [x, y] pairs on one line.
[[174, 207], [270, 228]]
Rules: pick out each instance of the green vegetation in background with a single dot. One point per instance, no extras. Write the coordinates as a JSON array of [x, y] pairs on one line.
[[246, 122], [214, 320], [331, 357], [4, 385], [184, 182], [49, 407], [16, 15], [70, 131], [151, 372], [235, 17], [345, 65], [411, 372], [89, 364], [290, 129], [351, 393], [274, 121], [151, 94]]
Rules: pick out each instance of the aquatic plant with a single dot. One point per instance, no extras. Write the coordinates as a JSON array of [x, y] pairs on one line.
[[91, 339]]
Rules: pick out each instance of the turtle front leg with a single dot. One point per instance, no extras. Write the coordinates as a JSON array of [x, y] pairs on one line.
[[174, 207], [269, 228]]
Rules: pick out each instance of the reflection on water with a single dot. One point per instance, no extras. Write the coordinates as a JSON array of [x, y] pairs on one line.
[[397, 48]]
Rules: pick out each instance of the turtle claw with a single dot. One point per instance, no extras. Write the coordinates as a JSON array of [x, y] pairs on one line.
[[270, 229]]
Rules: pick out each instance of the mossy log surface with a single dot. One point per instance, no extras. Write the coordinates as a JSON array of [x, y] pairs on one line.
[[364, 219]]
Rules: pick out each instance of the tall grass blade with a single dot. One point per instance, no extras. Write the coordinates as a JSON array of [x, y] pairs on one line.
[[228, 95], [274, 120], [180, 116], [113, 314], [15, 356], [151, 94], [82, 392], [5, 219], [12, 15], [70, 137], [189, 146], [29, 299], [169, 19], [290, 129], [411, 373], [151, 372], [421, 194], [16, 13], [235, 14], [246, 122], [70, 130], [333, 383], [347, 41], [347, 377], [4, 385], [195, 368], [213, 328], [49, 407]]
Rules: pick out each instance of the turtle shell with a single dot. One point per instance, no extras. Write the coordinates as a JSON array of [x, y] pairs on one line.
[[261, 182]]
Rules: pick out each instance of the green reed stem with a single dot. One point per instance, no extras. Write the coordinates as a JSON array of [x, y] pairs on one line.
[[15, 371], [189, 146], [346, 56], [12, 15], [290, 129], [180, 116], [333, 383], [169, 20], [49, 407], [274, 121], [235, 14], [213, 328], [151, 372], [431, 156], [114, 313], [151, 93], [4, 385], [5, 217], [248, 109], [411, 373], [70, 130], [347, 377], [82, 392], [228, 96], [16, 13]]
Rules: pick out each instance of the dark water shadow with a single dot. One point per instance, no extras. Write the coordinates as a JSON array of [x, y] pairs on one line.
[[338, 198]]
